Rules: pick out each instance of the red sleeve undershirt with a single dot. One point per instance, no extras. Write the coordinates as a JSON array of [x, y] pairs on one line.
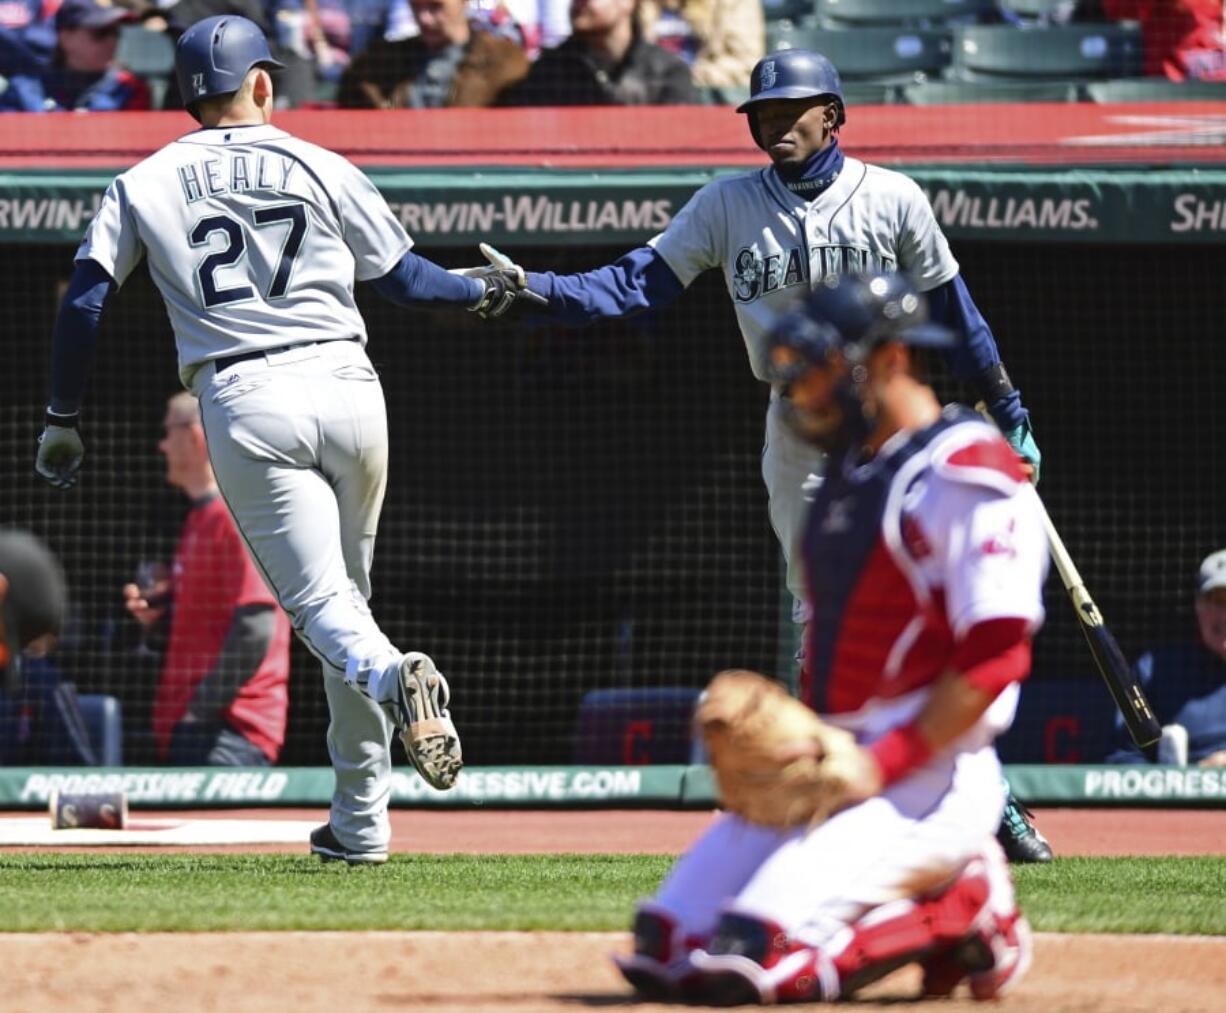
[[991, 656]]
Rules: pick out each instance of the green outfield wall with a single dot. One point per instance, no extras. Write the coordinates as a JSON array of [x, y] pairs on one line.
[[544, 207], [549, 787]]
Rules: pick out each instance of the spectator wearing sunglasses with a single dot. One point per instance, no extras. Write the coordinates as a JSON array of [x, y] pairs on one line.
[[82, 73]]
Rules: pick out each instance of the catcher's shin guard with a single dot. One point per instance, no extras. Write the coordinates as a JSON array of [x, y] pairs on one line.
[[904, 931], [753, 961], [659, 966], [992, 958]]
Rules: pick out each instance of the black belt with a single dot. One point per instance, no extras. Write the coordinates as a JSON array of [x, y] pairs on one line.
[[223, 363]]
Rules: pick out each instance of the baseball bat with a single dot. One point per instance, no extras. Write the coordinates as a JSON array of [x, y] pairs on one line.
[[1127, 693], [1112, 665]]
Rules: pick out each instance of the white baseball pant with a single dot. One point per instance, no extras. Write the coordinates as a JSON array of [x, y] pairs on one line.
[[792, 471], [298, 442]]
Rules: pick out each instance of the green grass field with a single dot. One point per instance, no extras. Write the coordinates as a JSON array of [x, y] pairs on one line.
[[186, 893]]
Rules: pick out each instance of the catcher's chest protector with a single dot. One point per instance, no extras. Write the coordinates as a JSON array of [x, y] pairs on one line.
[[855, 546]]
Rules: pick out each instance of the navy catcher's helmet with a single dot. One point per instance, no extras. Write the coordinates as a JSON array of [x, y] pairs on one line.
[[794, 73], [214, 55], [845, 317], [850, 314]]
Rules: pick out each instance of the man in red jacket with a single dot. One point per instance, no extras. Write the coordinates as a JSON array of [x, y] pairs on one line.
[[223, 695], [1184, 39]]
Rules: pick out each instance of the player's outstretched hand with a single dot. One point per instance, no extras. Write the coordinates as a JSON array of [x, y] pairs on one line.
[[506, 287], [60, 451]]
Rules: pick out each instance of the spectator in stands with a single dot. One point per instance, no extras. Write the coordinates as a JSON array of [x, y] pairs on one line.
[[82, 73], [454, 61], [1186, 682], [1184, 39], [606, 61], [544, 23], [40, 720], [223, 695], [721, 40]]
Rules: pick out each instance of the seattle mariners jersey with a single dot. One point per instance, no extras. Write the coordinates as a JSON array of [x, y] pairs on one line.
[[254, 239], [773, 244], [936, 533]]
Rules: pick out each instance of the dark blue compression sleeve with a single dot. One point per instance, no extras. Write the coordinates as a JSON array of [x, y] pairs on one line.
[[977, 359], [416, 281], [75, 339], [638, 281]]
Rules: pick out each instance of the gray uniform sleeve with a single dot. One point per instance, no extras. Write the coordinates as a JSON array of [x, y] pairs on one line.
[[923, 250], [693, 242], [112, 239], [373, 234]]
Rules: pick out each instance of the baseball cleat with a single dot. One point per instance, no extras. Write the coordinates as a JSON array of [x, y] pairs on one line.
[[1019, 837], [329, 849], [429, 737]]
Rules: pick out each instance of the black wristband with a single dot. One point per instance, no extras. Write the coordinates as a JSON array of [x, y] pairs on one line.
[[994, 383], [69, 420]]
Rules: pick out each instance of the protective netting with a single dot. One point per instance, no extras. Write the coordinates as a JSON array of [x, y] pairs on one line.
[[570, 511]]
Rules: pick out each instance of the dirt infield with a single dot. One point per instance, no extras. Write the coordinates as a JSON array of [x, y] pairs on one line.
[[487, 972]]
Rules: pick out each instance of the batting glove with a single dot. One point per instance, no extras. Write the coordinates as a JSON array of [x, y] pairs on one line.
[[1021, 439], [60, 450], [506, 286]]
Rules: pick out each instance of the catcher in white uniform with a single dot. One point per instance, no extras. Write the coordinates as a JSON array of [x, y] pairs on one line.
[[850, 850], [254, 239], [814, 213]]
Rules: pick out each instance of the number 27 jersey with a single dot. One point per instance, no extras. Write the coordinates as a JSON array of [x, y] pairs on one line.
[[254, 239]]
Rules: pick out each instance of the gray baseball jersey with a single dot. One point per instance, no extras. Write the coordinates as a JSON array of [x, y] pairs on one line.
[[773, 245], [254, 239]]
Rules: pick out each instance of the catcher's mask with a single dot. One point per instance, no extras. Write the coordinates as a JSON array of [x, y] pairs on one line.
[[792, 74], [837, 326]]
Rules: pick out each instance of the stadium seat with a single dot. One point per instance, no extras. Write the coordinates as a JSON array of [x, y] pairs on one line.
[[790, 10], [870, 93], [1051, 11], [636, 726], [104, 722], [939, 93], [883, 55], [149, 54], [1155, 89], [913, 13], [1064, 52], [723, 95]]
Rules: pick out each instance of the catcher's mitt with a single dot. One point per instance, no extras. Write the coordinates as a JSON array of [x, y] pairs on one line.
[[776, 762]]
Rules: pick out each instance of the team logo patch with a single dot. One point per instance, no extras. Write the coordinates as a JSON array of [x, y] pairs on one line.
[[747, 275], [768, 76], [197, 83]]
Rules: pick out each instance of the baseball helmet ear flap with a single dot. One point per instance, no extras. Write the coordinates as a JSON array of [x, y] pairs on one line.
[[214, 56]]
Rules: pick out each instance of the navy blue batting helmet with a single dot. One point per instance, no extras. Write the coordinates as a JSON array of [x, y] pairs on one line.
[[791, 74], [214, 55], [849, 315]]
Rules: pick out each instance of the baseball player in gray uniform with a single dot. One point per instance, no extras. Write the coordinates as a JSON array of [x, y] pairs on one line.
[[254, 239], [776, 233]]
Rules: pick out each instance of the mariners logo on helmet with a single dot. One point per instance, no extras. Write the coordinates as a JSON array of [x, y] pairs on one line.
[[768, 77]]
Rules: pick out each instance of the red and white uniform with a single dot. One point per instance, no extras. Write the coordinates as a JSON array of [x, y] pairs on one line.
[[934, 540], [212, 577]]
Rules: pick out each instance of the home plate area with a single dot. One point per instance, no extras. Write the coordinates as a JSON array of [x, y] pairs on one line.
[[36, 831]]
